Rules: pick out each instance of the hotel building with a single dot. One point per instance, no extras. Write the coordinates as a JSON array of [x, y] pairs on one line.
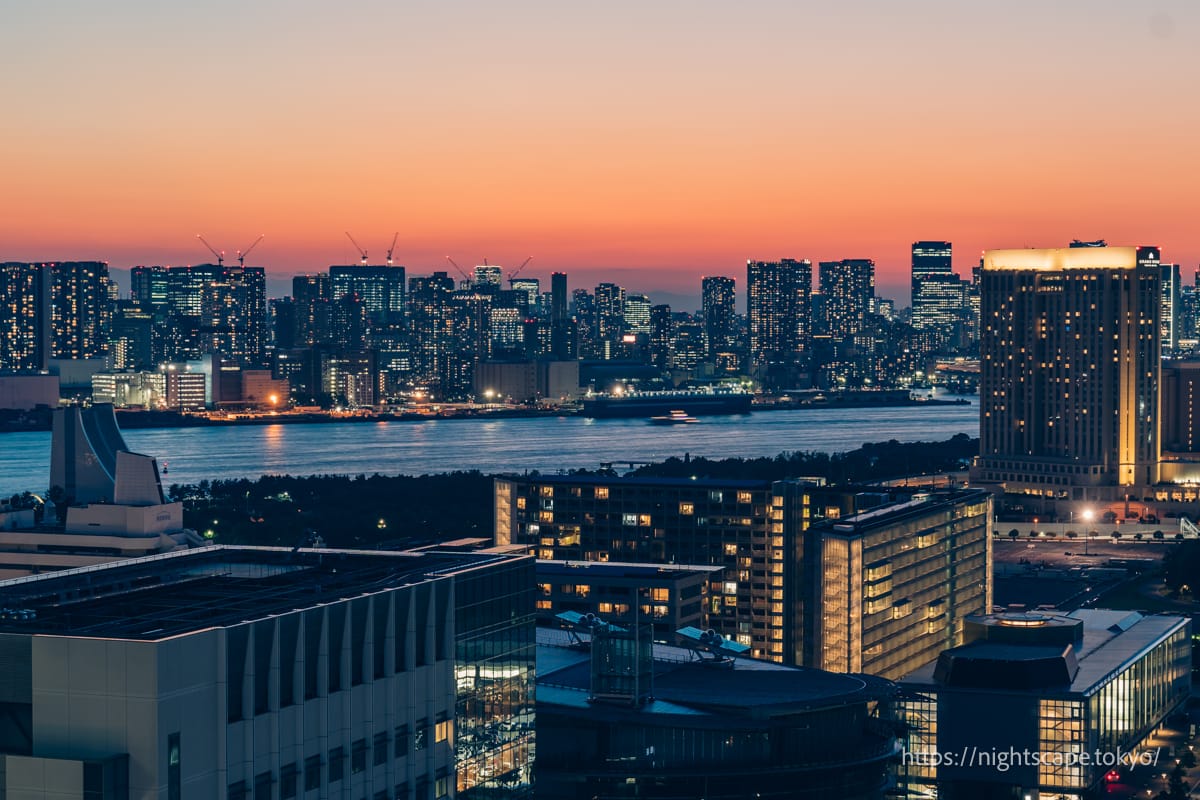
[[1069, 374]]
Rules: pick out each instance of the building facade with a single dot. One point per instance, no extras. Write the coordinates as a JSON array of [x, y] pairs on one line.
[[891, 564], [1069, 374], [259, 672], [779, 316]]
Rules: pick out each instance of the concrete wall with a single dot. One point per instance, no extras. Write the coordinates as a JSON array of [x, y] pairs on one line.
[[125, 520]]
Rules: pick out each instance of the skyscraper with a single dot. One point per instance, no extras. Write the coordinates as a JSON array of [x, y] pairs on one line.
[[779, 311], [662, 337], [561, 340], [847, 287], [24, 316], [637, 313], [1169, 314], [610, 318], [80, 309], [381, 290], [719, 297], [937, 293], [1069, 376]]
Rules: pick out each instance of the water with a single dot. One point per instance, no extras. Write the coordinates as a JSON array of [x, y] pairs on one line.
[[548, 444]]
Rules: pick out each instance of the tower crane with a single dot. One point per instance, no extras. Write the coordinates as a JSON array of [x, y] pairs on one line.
[[220, 256], [361, 252], [461, 271], [392, 249], [517, 271], [241, 256]]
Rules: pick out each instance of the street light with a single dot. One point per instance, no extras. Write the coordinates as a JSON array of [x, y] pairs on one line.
[[1088, 515]]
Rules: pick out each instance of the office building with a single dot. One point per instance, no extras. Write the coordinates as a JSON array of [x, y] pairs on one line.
[[562, 331], [1069, 373], [379, 289], [772, 597], [847, 289], [610, 317], [488, 278], [719, 307], [1169, 309], [132, 338], [433, 332], [24, 316], [637, 314], [779, 316], [662, 337], [217, 308], [267, 672], [130, 388], [714, 727], [1065, 686]]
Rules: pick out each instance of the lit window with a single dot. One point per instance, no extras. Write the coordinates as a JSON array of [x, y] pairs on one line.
[[687, 509], [601, 492], [745, 497]]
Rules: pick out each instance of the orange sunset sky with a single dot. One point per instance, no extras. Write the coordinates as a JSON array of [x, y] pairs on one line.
[[645, 142]]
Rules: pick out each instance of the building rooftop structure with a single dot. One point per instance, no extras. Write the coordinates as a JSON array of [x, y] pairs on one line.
[[161, 596]]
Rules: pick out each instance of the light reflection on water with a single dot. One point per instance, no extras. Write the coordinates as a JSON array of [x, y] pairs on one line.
[[500, 445]]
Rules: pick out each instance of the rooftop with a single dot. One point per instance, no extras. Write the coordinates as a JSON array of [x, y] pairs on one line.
[[684, 685], [158, 597], [622, 569], [890, 512], [613, 480], [1112, 640], [1062, 258]]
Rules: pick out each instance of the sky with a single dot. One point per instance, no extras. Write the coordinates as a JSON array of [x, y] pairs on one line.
[[649, 143]]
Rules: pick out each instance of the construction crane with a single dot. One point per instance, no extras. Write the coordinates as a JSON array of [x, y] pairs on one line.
[[517, 271], [220, 256], [461, 271], [243, 253], [362, 252], [392, 249]]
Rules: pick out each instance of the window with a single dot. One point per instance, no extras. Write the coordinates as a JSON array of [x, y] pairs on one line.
[[629, 520], [262, 785], [237, 791], [601, 492], [745, 497], [358, 756], [337, 764], [174, 780], [443, 730], [400, 743], [380, 749], [661, 594], [546, 491], [287, 781], [401, 791], [687, 509], [441, 788], [312, 773], [419, 735]]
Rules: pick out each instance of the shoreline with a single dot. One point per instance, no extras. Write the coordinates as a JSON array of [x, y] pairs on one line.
[[39, 420]]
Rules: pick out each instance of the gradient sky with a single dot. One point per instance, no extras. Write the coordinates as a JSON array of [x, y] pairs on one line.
[[647, 142]]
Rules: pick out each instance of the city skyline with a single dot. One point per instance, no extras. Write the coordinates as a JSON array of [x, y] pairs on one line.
[[669, 142]]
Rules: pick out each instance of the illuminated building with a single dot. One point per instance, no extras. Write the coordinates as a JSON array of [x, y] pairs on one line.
[[186, 391], [80, 309], [886, 551], [610, 317], [847, 288], [1069, 373], [562, 332], [666, 596], [245, 673], [311, 295], [637, 314], [1061, 685], [216, 309], [662, 337], [719, 304], [131, 342], [380, 289], [1169, 312], [488, 278], [779, 315], [733, 729], [24, 316]]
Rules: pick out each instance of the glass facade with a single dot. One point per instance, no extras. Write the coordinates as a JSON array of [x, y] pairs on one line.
[[493, 736]]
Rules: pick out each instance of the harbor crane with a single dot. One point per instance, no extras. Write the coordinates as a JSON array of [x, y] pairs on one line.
[[357, 247], [220, 256], [241, 256]]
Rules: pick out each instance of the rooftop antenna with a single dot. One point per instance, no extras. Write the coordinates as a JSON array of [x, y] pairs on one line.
[[357, 247], [220, 256], [241, 256]]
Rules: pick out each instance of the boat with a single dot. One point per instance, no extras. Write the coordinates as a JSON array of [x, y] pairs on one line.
[[676, 417], [644, 404]]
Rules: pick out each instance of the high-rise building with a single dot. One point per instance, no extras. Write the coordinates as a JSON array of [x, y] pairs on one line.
[[847, 287], [530, 288], [433, 330], [937, 293], [1169, 313], [24, 316], [225, 672], [381, 290], [216, 308], [80, 309], [662, 337], [779, 314], [610, 313], [867, 590], [719, 303], [312, 295], [1069, 376], [488, 278], [562, 339], [637, 313], [131, 341]]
